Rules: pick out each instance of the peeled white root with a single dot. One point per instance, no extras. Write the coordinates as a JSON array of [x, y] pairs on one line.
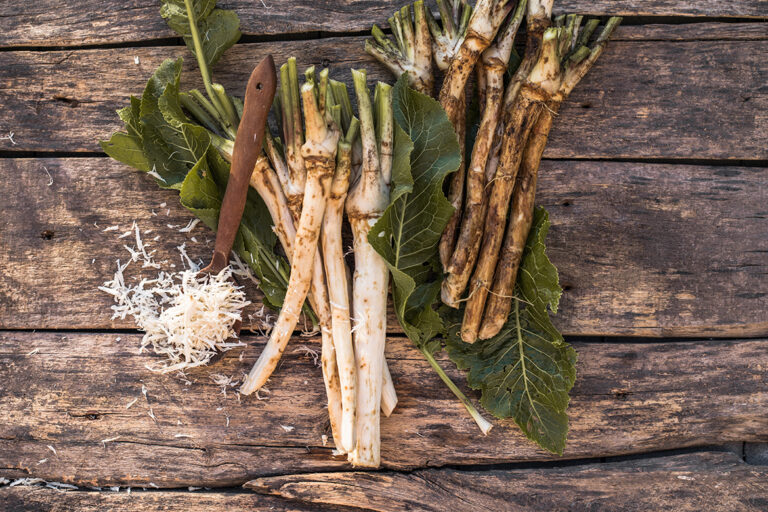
[[265, 181], [338, 293], [366, 203], [388, 394], [370, 308], [319, 152], [301, 276]]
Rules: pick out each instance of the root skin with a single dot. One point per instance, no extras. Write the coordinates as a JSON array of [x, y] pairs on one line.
[[499, 302], [520, 122]]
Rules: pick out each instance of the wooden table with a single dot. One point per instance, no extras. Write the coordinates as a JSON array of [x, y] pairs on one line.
[[656, 179]]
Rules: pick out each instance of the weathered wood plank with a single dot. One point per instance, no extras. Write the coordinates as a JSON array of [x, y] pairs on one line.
[[699, 31], [676, 98], [720, 482], [42, 499], [692, 482], [687, 254], [629, 398], [49, 23]]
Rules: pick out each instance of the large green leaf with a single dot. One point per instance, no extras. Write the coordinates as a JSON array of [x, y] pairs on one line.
[[218, 28], [161, 141], [526, 371], [407, 235], [128, 149], [199, 193]]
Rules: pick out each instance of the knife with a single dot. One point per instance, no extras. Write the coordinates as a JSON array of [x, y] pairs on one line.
[[259, 94]]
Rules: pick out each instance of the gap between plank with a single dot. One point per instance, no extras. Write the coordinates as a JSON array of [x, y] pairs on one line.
[[714, 162], [470, 468], [402, 337], [309, 35]]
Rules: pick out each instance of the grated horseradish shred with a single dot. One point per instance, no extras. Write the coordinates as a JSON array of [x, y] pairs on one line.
[[186, 317]]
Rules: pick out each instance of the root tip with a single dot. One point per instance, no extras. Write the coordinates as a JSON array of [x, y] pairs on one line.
[[489, 329], [447, 295], [468, 336]]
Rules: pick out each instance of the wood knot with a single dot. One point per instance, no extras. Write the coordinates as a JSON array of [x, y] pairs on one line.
[[72, 102], [620, 394]]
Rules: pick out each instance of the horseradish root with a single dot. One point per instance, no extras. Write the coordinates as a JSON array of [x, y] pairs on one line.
[[367, 200], [336, 277], [493, 67], [318, 154], [485, 21], [543, 81], [576, 61]]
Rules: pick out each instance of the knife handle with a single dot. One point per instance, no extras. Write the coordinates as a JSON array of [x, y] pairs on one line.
[[248, 143]]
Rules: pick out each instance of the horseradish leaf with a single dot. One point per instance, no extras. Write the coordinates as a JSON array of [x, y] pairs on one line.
[[526, 371], [407, 235]]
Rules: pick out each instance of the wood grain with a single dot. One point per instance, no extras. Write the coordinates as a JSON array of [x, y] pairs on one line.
[[720, 482], [702, 31], [75, 23], [642, 249], [715, 481], [629, 398], [42, 499], [673, 97]]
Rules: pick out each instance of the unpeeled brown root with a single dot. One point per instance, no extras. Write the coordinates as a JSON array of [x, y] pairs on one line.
[[499, 302], [542, 83], [576, 62], [494, 66], [485, 21]]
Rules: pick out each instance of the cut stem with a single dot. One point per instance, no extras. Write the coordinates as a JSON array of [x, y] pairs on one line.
[[293, 175], [411, 53], [485, 425]]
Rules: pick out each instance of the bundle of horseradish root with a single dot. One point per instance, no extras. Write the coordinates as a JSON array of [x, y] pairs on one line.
[[435, 181]]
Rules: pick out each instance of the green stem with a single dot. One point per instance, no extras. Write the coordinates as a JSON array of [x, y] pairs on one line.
[[211, 109], [364, 109], [225, 146], [382, 100], [484, 424], [199, 113], [200, 56], [229, 108]]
